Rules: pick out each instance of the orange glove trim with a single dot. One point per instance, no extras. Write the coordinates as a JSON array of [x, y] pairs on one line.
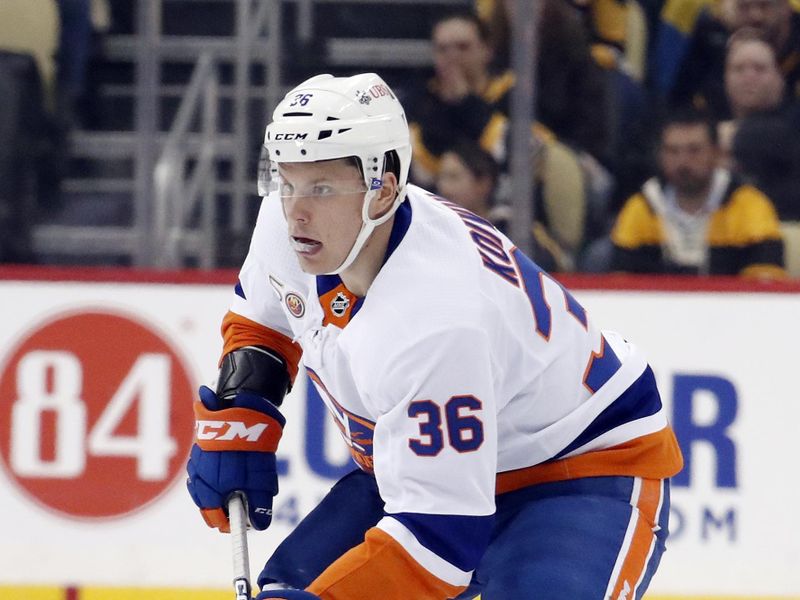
[[236, 429], [216, 519]]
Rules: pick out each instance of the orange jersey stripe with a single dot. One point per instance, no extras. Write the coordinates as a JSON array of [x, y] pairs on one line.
[[652, 456], [239, 331], [638, 553], [380, 568]]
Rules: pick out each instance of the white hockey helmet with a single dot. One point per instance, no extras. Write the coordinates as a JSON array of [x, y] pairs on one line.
[[329, 117]]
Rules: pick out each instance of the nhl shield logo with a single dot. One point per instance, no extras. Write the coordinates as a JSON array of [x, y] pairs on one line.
[[340, 304], [295, 305]]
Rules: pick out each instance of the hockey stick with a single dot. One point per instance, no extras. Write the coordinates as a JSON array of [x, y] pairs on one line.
[[241, 557]]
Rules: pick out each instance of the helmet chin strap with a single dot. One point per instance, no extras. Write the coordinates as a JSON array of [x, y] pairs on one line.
[[368, 225]]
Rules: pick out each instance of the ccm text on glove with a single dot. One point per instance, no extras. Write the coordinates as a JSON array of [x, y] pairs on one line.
[[234, 451]]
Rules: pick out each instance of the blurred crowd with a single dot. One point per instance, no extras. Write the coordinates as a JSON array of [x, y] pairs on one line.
[[666, 131]]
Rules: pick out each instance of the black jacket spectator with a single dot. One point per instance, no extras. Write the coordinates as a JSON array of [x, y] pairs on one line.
[[742, 235], [700, 79], [766, 149], [23, 145]]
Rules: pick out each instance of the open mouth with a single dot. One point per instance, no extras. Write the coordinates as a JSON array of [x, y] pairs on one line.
[[304, 245]]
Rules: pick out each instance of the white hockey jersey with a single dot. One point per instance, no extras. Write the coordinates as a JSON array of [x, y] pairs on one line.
[[465, 372]]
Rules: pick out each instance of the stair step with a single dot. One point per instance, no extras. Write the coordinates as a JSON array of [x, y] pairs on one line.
[[119, 185], [97, 185], [122, 144], [176, 90], [82, 240], [180, 48], [379, 52], [102, 144]]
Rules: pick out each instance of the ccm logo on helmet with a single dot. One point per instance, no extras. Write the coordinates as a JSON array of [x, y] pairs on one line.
[[291, 136], [229, 430]]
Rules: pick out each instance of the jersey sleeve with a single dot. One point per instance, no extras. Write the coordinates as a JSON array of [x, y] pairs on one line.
[[255, 315], [239, 331], [435, 459]]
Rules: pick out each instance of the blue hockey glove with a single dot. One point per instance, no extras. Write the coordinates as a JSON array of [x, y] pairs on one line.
[[288, 594], [234, 450]]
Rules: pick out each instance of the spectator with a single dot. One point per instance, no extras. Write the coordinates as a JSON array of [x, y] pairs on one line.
[[460, 102], [700, 81], [753, 82], [575, 99], [779, 24], [468, 175], [697, 217], [767, 152], [764, 143], [675, 30], [584, 109]]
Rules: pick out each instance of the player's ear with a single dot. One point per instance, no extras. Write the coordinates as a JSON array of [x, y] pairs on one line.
[[390, 185], [388, 193]]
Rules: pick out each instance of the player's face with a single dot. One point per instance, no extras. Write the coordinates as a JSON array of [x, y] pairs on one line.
[[752, 79], [457, 183], [688, 157], [322, 202]]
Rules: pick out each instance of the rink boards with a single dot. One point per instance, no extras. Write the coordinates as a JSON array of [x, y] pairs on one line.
[[97, 372]]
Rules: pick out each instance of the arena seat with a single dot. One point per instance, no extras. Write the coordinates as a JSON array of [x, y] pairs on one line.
[[636, 41], [791, 241], [564, 195], [32, 27]]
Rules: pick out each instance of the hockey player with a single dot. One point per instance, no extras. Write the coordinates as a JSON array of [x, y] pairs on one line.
[[505, 444]]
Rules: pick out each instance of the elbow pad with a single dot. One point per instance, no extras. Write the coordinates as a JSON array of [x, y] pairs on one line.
[[256, 369]]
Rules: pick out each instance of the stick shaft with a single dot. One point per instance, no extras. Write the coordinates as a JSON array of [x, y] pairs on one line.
[[241, 557]]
